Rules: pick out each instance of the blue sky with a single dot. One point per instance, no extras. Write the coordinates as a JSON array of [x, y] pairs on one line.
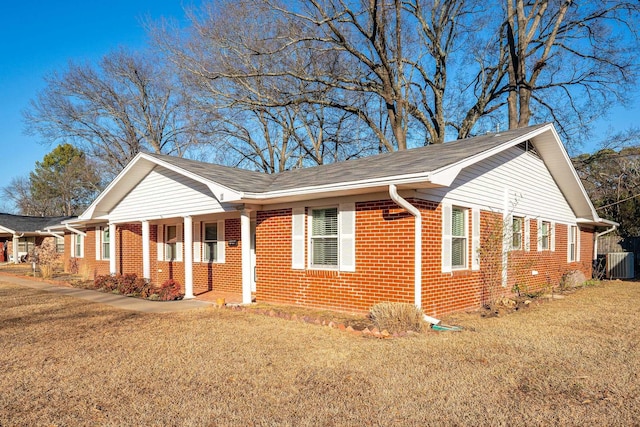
[[38, 37]]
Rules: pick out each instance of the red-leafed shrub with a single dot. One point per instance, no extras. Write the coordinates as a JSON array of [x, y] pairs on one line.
[[169, 291], [106, 283]]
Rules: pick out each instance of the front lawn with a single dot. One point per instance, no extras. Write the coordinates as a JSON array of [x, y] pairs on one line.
[[573, 361]]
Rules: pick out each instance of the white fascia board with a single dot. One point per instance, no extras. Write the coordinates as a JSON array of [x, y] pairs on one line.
[[399, 180], [598, 222], [89, 212], [577, 183], [7, 230]]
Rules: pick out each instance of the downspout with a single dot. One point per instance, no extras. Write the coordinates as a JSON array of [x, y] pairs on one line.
[[417, 266], [597, 235]]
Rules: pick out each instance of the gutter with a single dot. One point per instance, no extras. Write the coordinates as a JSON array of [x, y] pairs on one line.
[[417, 266], [74, 230]]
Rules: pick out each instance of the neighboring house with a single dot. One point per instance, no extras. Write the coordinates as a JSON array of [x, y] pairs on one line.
[[404, 226], [19, 234]]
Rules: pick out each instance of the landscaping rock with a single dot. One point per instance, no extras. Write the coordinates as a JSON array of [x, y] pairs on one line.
[[573, 279]]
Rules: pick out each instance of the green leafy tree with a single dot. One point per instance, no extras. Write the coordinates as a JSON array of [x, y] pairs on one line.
[[64, 182]]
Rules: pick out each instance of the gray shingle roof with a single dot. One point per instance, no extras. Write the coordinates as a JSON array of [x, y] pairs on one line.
[[413, 161], [29, 224]]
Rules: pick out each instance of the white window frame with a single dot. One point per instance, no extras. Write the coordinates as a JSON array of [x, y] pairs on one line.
[[464, 238], [78, 245], [104, 232], [572, 243], [516, 234], [59, 242], [547, 236], [312, 237], [219, 242], [26, 244], [173, 246]]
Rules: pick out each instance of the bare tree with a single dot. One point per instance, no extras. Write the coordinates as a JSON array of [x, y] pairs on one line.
[[127, 104], [568, 60]]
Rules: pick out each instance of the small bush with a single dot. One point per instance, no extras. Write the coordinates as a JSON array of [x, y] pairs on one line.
[[169, 291], [106, 283], [397, 317]]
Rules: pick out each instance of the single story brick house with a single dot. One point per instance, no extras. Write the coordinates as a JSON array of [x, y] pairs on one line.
[[19, 234], [405, 226]]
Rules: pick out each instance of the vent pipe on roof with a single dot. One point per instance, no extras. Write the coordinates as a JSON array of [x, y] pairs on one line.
[[417, 266]]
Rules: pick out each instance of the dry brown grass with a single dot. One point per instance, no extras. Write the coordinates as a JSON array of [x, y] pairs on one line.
[[68, 362]]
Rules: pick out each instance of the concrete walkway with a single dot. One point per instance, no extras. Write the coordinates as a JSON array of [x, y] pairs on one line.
[[118, 301]]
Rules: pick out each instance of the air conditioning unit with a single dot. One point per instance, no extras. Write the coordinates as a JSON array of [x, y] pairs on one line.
[[620, 265]]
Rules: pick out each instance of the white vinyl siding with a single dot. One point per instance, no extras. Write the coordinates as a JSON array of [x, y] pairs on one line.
[[184, 197], [533, 191]]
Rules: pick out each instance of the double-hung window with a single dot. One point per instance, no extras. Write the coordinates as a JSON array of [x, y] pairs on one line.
[[573, 243], [210, 242], [516, 230], [60, 245], [545, 236], [324, 238], [78, 245], [458, 238], [26, 244], [105, 242], [171, 243]]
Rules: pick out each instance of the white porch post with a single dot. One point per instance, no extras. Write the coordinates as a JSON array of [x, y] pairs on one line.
[[245, 238], [15, 249], [112, 249], [188, 257], [146, 261]]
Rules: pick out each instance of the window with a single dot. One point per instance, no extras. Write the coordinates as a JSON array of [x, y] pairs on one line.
[[324, 238], [458, 238], [105, 243], [78, 243], [60, 245], [545, 236], [516, 229], [573, 243], [171, 240], [26, 244], [210, 242]]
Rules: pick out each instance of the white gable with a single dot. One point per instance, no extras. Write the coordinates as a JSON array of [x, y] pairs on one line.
[[165, 193], [531, 188]]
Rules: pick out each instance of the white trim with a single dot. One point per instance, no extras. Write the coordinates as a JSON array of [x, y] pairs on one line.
[[98, 242], [112, 249], [475, 239], [197, 241], [527, 234], [297, 238], [160, 241], [188, 256], [146, 251], [446, 238], [220, 259], [347, 236]]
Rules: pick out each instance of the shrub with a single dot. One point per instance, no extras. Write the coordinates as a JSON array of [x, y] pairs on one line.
[[397, 317], [169, 291], [107, 283]]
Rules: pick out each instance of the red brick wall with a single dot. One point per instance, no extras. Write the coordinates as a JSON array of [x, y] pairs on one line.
[[225, 276], [384, 263]]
